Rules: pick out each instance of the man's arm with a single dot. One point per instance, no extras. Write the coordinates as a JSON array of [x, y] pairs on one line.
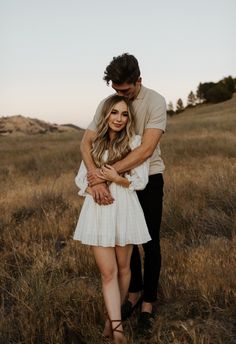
[[85, 148], [150, 139], [101, 193], [89, 136]]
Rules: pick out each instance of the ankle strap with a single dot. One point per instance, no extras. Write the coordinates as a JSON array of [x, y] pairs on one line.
[[116, 328]]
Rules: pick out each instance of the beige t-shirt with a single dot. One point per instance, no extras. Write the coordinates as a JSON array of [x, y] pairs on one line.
[[150, 112]]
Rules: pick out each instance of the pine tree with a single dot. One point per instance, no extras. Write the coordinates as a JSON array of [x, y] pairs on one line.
[[192, 99], [170, 109], [179, 106]]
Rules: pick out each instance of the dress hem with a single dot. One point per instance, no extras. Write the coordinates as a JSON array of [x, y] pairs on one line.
[[113, 244]]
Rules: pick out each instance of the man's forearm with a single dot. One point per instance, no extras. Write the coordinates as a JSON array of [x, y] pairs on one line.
[[134, 159], [85, 148], [87, 159], [150, 140]]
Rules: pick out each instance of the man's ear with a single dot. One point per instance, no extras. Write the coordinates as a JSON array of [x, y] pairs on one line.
[[139, 80]]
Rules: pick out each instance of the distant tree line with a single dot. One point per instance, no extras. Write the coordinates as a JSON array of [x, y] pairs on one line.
[[208, 92]]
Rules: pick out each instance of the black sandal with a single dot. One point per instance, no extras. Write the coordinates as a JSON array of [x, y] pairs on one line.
[[122, 340], [116, 328]]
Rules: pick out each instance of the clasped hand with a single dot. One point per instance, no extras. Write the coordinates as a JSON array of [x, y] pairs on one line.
[[99, 190], [107, 172]]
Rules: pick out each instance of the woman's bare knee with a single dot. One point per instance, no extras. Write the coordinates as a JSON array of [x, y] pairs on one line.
[[109, 275], [124, 270], [123, 255]]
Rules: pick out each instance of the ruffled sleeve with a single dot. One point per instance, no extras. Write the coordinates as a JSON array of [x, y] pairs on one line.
[[81, 180], [138, 176]]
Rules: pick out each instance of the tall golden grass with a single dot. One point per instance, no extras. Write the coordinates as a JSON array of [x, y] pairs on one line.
[[50, 286]]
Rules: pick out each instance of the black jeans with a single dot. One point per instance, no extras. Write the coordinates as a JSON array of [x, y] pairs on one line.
[[151, 201]]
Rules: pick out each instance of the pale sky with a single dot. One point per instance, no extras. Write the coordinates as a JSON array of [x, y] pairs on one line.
[[53, 52]]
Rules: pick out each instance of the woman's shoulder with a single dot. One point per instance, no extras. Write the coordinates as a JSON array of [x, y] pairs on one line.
[[135, 141]]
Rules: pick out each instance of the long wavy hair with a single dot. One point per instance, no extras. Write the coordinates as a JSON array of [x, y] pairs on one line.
[[119, 147]]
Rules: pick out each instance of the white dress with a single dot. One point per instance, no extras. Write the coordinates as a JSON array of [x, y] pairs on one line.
[[119, 223]]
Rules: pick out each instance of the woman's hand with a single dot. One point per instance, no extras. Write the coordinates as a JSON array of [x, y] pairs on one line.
[[107, 172]]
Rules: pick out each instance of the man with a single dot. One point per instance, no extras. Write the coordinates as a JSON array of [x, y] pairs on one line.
[[150, 122]]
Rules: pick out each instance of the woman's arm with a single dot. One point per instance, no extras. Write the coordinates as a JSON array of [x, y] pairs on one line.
[[89, 190], [108, 173]]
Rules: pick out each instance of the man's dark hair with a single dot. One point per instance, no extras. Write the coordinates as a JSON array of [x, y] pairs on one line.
[[123, 68]]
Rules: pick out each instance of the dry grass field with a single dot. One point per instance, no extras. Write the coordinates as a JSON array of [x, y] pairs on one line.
[[50, 286]]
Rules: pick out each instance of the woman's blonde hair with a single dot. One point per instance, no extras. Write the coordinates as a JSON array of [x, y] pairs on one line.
[[119, 147]]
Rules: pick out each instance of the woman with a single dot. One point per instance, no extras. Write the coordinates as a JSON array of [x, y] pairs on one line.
[[112, 229]]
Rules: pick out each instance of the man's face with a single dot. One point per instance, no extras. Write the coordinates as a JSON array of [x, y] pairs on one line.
[[129, 91]]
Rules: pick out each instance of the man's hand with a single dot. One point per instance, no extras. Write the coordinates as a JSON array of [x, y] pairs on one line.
[[93, 178], [101, 194]]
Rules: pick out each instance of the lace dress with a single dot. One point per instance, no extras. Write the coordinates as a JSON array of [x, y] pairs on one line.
[[119, 223]]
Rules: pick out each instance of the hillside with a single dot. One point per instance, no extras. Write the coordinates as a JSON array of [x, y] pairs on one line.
[[205, 130], [50, 284], [20, 125], [207, 112]]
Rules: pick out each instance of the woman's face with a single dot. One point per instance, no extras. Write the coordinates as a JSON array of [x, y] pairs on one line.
[[119, 117]]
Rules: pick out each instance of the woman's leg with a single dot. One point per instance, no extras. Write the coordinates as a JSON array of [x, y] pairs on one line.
[[123, 256], [106, 261]]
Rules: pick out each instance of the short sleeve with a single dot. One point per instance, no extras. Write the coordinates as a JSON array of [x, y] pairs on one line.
[[157, 114], [81, 180], [94, 124], [139, 175]]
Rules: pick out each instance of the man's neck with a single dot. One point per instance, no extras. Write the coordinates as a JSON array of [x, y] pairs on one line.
[[138, 90]]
